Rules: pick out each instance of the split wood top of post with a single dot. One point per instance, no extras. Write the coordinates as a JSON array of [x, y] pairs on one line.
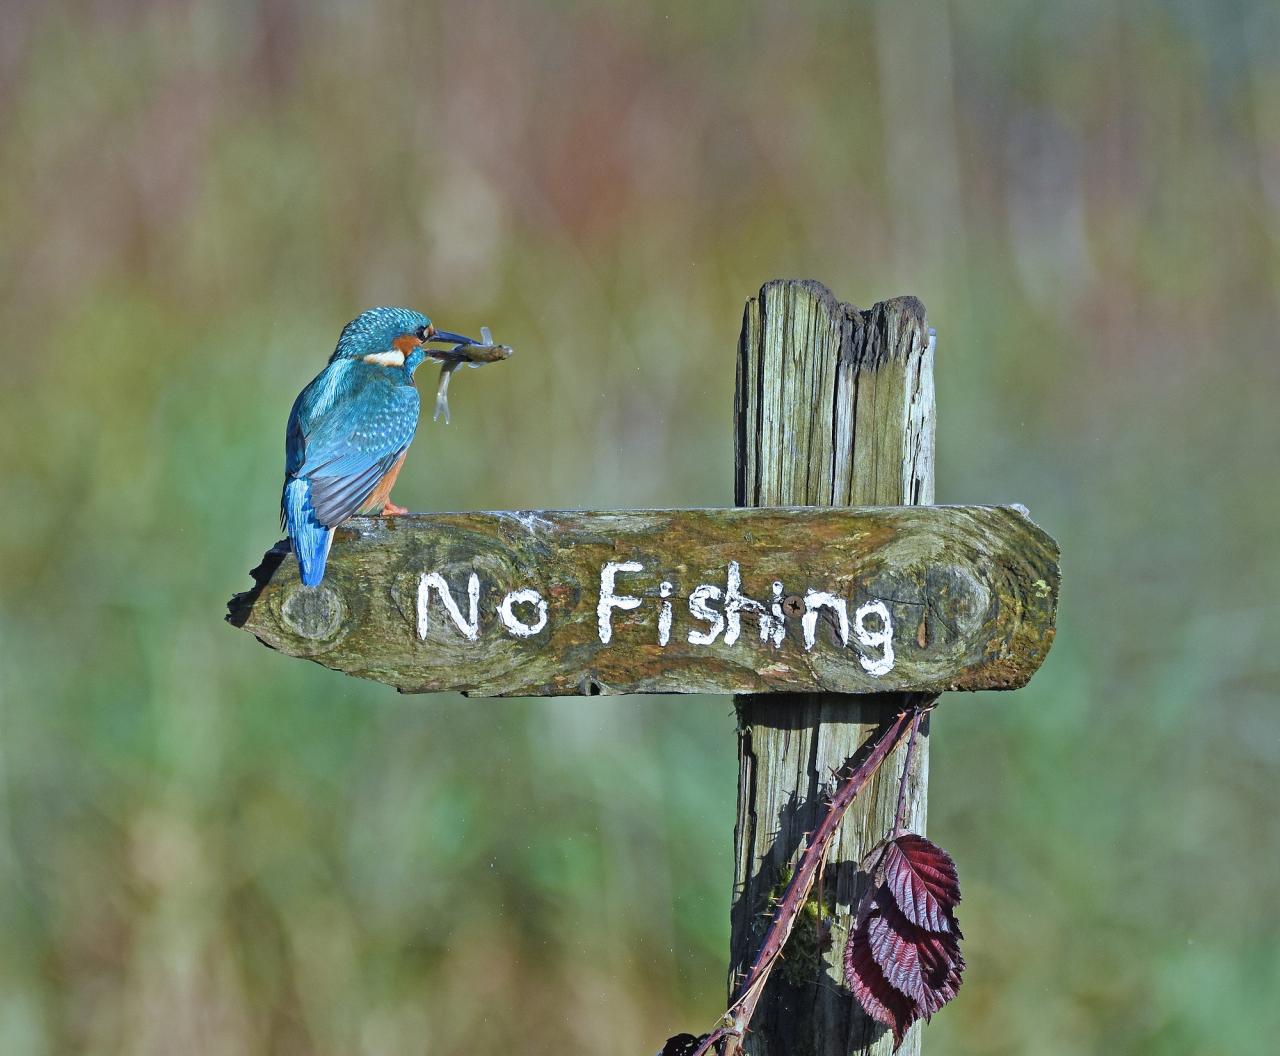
[[781, 599]]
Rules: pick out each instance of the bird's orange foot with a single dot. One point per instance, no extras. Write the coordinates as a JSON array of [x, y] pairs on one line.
[[392, 510]]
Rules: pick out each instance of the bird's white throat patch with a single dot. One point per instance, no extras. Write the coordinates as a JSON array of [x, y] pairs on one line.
[[393, 357]]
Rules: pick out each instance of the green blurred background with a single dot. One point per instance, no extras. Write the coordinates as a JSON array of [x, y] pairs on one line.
[[206, 847]]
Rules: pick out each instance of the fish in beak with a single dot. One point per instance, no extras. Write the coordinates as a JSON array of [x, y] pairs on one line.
[[466, 351]]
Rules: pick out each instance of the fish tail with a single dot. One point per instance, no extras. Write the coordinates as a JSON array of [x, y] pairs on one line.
[[310, 538]]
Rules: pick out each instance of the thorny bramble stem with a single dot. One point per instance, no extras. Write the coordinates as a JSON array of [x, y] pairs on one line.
[[710, 1040], [899, 813]]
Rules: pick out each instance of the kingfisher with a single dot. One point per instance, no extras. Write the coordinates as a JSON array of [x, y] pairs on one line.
[[350, 429]]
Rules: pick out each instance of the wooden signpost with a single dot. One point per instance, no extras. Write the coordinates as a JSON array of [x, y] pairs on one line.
[[828, 619]]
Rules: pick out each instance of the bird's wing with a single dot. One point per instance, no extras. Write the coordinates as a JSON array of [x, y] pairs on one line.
[[337, 498], [345, 436]]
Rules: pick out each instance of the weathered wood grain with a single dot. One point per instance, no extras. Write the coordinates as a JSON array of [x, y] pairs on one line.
[[835, 407], [970, 592]]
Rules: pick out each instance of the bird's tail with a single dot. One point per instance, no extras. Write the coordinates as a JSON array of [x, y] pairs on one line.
[[309, 537]]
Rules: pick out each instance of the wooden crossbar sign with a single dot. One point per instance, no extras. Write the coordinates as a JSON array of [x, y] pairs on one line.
[[673, 601], [837, 597]]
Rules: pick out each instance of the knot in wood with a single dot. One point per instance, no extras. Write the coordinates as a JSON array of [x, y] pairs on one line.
[[314, 613]]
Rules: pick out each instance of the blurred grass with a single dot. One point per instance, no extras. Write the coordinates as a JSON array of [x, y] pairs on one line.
[[206, 848]]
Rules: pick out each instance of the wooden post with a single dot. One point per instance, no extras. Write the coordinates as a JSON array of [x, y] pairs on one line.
[[834, 407]]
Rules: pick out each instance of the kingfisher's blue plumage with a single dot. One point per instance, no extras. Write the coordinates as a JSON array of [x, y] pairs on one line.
[[350, 428]]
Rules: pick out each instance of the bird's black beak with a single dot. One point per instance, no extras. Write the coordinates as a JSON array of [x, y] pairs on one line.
[[445, 337]]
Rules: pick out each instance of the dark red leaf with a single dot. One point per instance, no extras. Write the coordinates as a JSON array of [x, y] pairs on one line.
[[903, 959], [911, 959], [882, 1002], [940, 960], [922, 878]]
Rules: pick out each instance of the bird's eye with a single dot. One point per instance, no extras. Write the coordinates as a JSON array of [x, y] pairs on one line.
[[421, 332]]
